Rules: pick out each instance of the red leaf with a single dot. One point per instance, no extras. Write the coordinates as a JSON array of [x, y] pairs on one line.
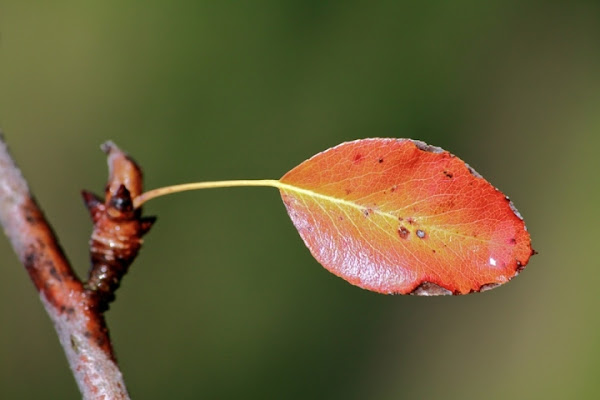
[[399, 216]]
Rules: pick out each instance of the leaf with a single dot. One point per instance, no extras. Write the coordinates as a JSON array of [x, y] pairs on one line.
[[400, 216]]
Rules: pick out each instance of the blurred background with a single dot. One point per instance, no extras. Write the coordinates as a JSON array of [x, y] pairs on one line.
[[225, 301]]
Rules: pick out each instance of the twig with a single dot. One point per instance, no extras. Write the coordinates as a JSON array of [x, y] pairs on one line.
[[80, 325]]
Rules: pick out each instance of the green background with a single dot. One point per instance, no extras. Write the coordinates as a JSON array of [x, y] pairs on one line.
[[225, 301]]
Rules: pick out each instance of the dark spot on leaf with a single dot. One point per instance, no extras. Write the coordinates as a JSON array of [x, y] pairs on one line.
[[393, 189], [357, 157], [400, 219], [512, 241], [367, 211], [403, 232], [410, 220], [448, 174], [380, 160], [420, 233], [433, 251], [348, 191], [341, 218]]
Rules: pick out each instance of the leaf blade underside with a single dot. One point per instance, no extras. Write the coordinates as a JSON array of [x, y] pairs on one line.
[[399, 216]]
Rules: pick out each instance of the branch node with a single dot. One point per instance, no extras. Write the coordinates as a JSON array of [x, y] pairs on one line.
[[118, 227]]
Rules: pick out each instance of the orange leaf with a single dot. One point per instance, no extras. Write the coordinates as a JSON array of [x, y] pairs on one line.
[[400, 216]]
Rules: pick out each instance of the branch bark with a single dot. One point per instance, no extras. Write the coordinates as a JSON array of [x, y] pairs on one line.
[[75, 311]]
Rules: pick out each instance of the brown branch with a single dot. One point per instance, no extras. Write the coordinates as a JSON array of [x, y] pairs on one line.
[[75, 310]]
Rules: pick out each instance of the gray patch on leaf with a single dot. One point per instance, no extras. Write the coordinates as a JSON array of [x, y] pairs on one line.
[[514, 209], [488, 286], [473, 172], [430, 289], [427, 147]]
